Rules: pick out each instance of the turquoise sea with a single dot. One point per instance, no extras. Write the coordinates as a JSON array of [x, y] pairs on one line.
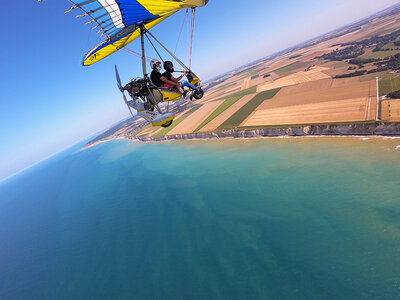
[[289, 218]]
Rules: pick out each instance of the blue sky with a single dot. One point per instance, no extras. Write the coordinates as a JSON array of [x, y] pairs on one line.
[[48, 101]]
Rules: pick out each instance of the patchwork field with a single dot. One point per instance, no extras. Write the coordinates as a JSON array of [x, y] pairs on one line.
[[247, 109], [225, 115], [297, 86], [196, 118]]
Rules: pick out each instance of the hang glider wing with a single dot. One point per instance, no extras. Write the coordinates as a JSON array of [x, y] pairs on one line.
[[120, 19]]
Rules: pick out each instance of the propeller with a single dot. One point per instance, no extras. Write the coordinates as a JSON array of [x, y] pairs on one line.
[[119, 84]]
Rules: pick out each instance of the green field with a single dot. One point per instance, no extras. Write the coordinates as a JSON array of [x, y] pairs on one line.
[[285, 69], [255, 71], [390, 46], [390, 85], [379, 54], [237, 118], [230, 100]]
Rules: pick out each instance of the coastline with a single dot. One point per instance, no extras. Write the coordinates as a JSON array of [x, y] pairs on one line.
[[370, 129], [377, 129]]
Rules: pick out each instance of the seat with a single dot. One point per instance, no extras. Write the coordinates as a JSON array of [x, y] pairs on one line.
[[163, 93]]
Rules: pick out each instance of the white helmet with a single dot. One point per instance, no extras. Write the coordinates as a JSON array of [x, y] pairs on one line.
[[155, 64]]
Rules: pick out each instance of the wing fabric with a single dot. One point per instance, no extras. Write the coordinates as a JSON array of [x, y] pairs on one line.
[[107, 48], [119, 20]]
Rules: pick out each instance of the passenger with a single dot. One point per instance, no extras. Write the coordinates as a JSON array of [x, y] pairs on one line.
[[169, 69], [157, 78]]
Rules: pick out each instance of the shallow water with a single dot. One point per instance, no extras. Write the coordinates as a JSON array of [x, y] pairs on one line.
[[304, 218]]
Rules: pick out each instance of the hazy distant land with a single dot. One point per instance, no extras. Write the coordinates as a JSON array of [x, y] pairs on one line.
[[322, 87]]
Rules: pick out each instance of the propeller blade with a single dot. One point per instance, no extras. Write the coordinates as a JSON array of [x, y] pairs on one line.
[[119, 84], [127, 104]]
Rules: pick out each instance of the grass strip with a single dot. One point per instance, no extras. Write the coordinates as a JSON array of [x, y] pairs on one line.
[[238, 117], [389, 85]]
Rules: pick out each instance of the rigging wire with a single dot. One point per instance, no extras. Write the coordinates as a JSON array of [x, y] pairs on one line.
[[188, 39], [191, 36], [180, 33], [155, 49], [134, 53]]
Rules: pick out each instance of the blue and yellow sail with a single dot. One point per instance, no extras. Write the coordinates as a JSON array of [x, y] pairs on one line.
[[120, 19]]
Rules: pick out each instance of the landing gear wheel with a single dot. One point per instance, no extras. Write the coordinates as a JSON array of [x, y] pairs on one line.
[[149, 107], [198, 94], [167, 124]]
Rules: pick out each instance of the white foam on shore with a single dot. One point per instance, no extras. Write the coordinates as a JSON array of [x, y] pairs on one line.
[[397, 147]]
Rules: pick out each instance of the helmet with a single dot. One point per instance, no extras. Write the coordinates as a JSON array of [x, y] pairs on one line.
[[169, 66], [155, 64]]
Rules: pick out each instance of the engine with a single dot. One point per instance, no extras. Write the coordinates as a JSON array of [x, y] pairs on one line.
[[137, 88]]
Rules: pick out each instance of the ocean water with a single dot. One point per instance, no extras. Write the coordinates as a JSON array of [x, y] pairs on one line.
[[303, 218]]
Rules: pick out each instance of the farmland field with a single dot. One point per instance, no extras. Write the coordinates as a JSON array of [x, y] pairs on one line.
[[305, 87], [298, 87], [239, 93], [322, 94], [380, 54], [348, 110], [293, 79], [247, 109], [188, 125], [223, 112], [389, 85], [390, 110], [285, 69], [165, 131]]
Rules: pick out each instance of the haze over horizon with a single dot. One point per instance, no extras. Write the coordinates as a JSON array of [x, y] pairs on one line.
[[50, 102]]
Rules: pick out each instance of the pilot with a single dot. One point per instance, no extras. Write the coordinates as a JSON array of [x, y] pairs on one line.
[[159, 79]]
